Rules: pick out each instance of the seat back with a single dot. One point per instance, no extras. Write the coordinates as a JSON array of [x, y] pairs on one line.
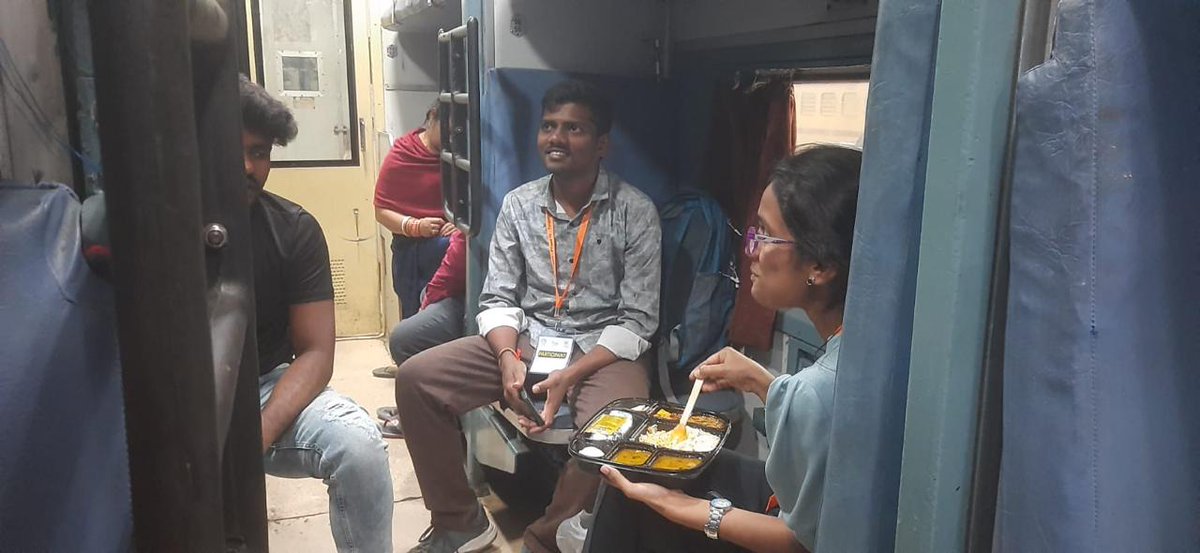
[[1101, 352], [64, 470]]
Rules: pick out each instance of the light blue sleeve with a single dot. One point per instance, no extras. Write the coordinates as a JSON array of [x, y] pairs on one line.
[[799, 419]]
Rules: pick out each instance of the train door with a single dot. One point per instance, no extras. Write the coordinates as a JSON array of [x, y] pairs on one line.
[[316, 57]]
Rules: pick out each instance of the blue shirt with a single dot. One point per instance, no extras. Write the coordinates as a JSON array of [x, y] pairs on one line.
[[799, 418]]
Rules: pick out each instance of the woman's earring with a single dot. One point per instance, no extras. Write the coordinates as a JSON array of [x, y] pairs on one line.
[[811, 281]]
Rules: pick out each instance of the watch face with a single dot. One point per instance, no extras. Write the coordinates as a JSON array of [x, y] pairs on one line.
[[722, 503]]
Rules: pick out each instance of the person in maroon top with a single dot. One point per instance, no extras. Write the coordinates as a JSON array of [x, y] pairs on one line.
[[408, 202], [450, 280], [440, 319]]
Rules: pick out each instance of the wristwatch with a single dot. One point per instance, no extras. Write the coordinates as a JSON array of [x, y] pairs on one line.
[[716, 511]]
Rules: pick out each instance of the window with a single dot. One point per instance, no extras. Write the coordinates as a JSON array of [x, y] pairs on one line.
[[301, 74], [840, 117], [829, 104], [808, 103], [851, 103], [305, 61]]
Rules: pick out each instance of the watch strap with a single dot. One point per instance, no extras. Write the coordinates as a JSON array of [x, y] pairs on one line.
[[712, 527]]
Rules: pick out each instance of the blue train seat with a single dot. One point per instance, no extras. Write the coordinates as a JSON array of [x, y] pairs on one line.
[[64, 465]]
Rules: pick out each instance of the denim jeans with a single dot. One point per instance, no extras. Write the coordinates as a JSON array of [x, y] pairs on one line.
[[335, 440]]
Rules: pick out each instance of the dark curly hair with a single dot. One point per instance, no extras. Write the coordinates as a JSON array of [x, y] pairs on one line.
[[585, 94], [264, 115], [817, 189]]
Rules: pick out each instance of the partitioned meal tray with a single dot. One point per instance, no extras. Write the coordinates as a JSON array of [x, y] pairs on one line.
[[623, 435]]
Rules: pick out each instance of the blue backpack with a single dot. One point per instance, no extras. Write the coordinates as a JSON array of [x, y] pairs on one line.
[[699, 283]]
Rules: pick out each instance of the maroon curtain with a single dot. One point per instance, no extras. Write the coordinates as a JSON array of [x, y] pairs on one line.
[[751, 131]]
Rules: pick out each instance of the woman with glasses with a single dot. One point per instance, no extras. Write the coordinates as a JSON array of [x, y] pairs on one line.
[[800, 258]]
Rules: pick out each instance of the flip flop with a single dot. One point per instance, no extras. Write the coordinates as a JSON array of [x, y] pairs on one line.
[[391, 429], [385, 372], [387, 413]]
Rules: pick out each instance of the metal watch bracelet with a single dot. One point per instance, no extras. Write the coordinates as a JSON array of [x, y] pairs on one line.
[[717, 508]]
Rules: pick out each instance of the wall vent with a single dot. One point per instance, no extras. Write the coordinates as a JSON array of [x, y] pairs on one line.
[[338, 268]]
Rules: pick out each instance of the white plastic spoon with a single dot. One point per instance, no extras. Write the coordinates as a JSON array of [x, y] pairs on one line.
[[679, 434]]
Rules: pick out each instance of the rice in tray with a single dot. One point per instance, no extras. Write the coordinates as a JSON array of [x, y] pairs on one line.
[[698, 440]]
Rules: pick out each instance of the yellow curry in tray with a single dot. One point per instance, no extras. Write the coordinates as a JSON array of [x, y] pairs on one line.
[[704, 421], [672, 463], [631, 457]]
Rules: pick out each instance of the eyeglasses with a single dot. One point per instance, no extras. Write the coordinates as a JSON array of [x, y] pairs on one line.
[[755, 238]]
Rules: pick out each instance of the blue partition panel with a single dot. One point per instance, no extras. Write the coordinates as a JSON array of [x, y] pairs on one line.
[[64, 470], [863, 478], [1102, 369]]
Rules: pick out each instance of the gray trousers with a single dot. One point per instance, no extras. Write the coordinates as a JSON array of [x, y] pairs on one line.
[[435, 325]]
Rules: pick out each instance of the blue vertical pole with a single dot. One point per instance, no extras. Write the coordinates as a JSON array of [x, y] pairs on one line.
[[978, 42]]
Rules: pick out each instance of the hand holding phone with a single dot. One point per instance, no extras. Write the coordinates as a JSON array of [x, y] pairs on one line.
[[527, 409]]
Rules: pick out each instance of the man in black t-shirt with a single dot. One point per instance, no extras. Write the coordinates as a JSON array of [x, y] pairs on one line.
[[308, 429]]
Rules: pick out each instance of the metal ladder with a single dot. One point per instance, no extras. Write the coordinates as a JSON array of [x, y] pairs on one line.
[[458, 113]]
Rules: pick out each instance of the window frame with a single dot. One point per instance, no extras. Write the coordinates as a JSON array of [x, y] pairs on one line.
[[848, 73], [351, 88]]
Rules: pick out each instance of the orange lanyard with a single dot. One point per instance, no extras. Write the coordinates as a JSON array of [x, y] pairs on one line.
[[560, 296]]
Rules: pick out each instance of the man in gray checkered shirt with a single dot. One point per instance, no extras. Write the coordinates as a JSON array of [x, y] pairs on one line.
[[575, 254]]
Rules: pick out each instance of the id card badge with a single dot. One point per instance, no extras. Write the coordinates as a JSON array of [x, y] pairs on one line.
[[553, 354]]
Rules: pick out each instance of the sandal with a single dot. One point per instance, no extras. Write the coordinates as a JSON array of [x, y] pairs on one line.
[[385, 372], [387, 413], [391, 429]]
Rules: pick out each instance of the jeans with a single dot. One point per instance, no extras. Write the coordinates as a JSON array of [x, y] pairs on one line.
[[335, 440], [435, 325], [414, 261]]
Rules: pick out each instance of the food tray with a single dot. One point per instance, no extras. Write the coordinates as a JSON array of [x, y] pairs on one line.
[[622, 449]]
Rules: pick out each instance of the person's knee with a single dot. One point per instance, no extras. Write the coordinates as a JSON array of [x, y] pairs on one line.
[[359, 450], [398, 345], [412, 374], [404, 348], [366, 452]]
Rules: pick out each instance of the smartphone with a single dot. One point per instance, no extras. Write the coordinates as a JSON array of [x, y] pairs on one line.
[[526, 409]]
